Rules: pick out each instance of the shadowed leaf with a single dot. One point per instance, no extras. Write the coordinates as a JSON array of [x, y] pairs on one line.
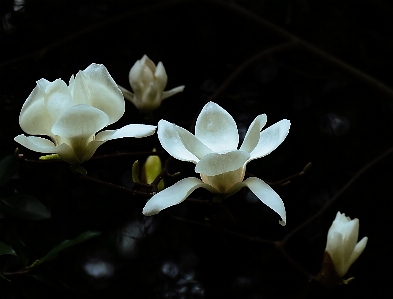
[[8, 167], [24, 206], [68, 243]]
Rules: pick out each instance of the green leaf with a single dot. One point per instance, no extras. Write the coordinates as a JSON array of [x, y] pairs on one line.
[[8, 167], [24, 206], [6, 249], [68, 243]]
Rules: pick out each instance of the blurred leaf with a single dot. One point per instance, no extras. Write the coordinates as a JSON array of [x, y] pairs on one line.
[[24, 206], [8, 167], [68, 243], [6, 249]]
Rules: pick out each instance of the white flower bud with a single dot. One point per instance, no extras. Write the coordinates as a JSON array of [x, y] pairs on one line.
[[148, 83]]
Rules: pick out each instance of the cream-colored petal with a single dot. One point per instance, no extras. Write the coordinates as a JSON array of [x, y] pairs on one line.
[[268, 196], [90, 149], [253, 133], [42, 145], [334, 246], [34, 118], [350, 231], [78, 126], [105, 95], [36, 144], [173, 91], [172, 195], [127, 94], [81, 93], [169, 137], [358, 250], [214, 164], [80, 121], [133, 130], [161, 77], [57, 99], [224, 183], [216, 128], [270, 139]]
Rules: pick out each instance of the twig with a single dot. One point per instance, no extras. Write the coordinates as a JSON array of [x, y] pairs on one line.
[[363, 170], [117, 187], [301, 44]]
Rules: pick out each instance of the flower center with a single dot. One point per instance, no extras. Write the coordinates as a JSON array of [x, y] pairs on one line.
[[226, 180]]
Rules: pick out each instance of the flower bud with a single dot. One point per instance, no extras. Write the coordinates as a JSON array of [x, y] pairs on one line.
[[148, 83], [342, 249], [151, 169]]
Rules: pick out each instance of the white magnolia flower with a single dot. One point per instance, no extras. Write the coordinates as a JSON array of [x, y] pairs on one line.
[[218, 161], [148, 83], [72, 115], [342, 243]]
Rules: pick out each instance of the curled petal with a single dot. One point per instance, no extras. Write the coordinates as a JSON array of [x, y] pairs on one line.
[[133, 130], [253, 133], [173, 91], [216, 128], [36, 144], [127, 94], [173, 195], [270, 139], [268, 196], [105, 95], [42, 145], [214, 164], [358, 250], [170, 139]]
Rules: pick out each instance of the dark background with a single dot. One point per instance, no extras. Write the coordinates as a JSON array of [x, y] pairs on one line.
[[340, 122]]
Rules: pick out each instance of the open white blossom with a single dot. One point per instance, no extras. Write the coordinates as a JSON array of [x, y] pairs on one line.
[[221, 165], [342, 243], [148, 83], [72, 115]]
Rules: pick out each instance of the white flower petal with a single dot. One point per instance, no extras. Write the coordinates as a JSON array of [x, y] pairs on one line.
[[80, 90], [173, 195], [253, 133], [133, 130], [90, 149], [173, 91], [334, 248], [81, 121], [160, 76], [36, 144], [57, 98], [104, 135], [214, 164], [135, 73], [34, 118], [270, 139], [350, 231], [358, 250], [216, 128], [268, 196], [105, 95], [42, 145], [169, 137], [127, 94]]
